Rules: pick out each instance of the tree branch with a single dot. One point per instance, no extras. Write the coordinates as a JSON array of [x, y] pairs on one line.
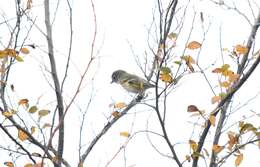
[[55, 80]]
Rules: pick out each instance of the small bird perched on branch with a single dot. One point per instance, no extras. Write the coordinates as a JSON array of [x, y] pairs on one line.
[[130, 82]]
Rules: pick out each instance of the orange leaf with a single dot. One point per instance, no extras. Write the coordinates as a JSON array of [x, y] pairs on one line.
[[23, 102], [25, 51], [217, 149], [22, 136], [239, 159], [193, 45], [124, 134], [240, 49], [217, 70], [212, 120], [193, 145], [192, 108], [3, 54], [215, 99], [28, 165], [233, 77], [9, 164], [116, 114], [120, 105], [10, 52]]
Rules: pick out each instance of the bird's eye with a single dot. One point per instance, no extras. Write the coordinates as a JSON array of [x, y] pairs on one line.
[[113, 77]]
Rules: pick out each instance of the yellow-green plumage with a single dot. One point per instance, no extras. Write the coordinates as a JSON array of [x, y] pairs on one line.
[[130, 82]]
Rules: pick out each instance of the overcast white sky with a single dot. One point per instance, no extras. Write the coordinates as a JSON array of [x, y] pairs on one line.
[[121, 23]]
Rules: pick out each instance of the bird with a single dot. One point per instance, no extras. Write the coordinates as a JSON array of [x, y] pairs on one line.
[[130, 82]]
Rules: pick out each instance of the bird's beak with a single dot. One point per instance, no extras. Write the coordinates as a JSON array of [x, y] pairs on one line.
[[111, 82]]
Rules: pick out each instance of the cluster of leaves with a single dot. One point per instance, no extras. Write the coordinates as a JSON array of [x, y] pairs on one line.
[[11, 164], [31, 109], [166, 74], [12, 53], [234, 143]]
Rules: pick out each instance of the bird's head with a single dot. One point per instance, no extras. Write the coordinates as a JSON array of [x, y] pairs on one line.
[[116, 75]]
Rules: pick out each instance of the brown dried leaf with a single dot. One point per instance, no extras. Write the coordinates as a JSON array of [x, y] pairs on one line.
[[240, 49], [239, 159], [212, 120], [22, 135], [192, 108], [217, 149], [193, 45]]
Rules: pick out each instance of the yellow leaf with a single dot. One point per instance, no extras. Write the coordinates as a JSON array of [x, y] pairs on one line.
[[33, 128], [43, 112], [217, 149], [25, 51], [28, 165], [240, 49], [167, 78], [19, 59], [10, 52], [193, 145], [3, 54], [22, 136], [9, 164], [33, 109], [23, 102], [7, 114], [124, 134], [247, 127], [212, 120], [116, 114], [193, 45], [239, 159], [120, 105], [215, 99], [225, 84]]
